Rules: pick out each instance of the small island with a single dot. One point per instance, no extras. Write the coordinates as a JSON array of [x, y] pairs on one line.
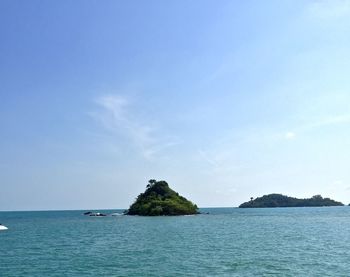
[[279, 200], [159, 199]]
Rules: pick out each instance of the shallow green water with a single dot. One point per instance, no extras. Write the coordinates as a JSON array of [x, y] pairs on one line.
[[227, 242]]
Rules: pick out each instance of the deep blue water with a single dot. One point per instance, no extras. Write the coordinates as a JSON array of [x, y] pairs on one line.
[[227, 242]]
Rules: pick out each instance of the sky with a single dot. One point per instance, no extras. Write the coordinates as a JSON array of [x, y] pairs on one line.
[[225, 100]]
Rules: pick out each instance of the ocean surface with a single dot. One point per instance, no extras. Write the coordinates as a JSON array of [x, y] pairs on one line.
[[225, 242]]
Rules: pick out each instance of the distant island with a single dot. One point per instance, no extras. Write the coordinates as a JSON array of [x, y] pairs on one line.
[[279, 200], [160, 199]]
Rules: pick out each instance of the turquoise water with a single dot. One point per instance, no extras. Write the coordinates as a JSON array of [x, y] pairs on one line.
[[227, 242]]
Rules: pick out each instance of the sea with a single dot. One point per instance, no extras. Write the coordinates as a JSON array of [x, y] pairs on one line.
[[218, 242]]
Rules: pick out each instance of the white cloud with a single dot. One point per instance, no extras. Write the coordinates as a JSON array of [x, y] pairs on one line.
[[116, 116], [337, 183], [113, 111], [290, 135]]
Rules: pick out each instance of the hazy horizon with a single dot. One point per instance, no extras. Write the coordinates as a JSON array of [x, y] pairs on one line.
[[224, 100]]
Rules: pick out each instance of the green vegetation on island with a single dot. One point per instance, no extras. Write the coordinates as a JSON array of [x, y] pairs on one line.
[[279, 200], [160, 199]]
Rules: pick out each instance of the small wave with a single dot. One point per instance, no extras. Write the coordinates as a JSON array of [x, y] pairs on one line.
[[116, 214]]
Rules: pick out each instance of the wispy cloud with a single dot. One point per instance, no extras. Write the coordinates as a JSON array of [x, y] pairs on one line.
[[208, 158], [337, 186], [221, 159], [314, 124], [329, 9], [329, 120], [116, 115], [229, 154]]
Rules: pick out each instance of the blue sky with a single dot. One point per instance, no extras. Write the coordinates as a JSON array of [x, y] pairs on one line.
[[223, 99]]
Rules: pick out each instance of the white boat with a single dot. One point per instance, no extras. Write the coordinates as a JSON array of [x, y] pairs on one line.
[[97, 214], [2, 227]]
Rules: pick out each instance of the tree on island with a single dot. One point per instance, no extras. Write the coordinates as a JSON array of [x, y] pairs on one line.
[[160, 199], [151, 183]]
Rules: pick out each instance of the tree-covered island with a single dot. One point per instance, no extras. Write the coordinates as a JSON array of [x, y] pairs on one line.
[[160, 199], [279, 200]]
